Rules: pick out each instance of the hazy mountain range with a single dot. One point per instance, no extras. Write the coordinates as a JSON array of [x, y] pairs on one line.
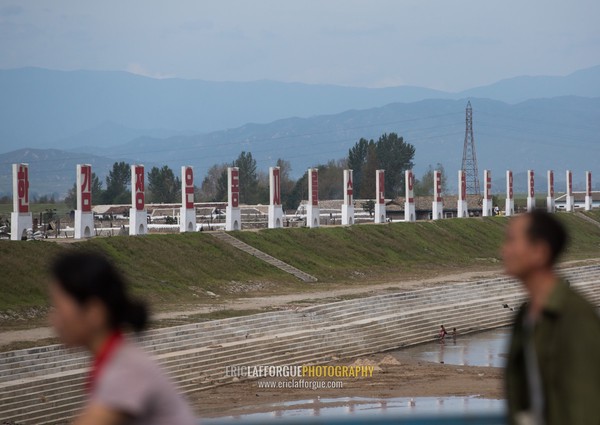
[[99, 117]]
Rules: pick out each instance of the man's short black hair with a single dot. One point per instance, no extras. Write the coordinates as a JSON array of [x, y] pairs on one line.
[[544, 227]]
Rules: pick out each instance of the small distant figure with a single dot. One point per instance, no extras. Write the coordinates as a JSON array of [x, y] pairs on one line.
[[443, 333], [496, 210], [454, 333], [123, 232]]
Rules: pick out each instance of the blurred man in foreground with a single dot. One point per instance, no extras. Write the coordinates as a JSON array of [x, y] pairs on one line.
[[553, 370]]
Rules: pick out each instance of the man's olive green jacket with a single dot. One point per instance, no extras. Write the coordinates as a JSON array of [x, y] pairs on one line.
[[567, 343]]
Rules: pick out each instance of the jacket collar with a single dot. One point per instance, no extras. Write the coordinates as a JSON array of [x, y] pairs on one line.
[[556, 300]]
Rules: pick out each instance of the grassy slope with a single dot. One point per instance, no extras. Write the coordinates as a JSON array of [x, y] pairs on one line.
[[595, 214], [165, 268], [171, 268], [338, 253], [335, 253]]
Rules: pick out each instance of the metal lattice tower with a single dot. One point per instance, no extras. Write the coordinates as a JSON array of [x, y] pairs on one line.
[[469, 160]]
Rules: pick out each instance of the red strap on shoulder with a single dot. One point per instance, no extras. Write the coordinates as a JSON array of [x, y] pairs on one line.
[[109, 347]]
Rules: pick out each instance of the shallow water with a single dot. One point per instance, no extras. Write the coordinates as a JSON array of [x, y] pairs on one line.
[[369, 406], [479, 349], [487, 348]]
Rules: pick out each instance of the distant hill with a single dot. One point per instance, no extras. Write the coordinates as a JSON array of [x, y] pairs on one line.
[[556, 133], [108, 134], [585, 82], [58, 109]]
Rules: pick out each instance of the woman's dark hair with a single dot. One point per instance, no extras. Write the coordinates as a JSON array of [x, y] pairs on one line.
[[87, 276], [544, 227]]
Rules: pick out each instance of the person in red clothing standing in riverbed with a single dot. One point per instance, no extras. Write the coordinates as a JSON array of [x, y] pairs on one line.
[[443, 333]]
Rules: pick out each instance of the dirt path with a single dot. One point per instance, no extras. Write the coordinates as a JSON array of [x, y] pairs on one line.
[[305, 299], [273, 301], [286, 301]]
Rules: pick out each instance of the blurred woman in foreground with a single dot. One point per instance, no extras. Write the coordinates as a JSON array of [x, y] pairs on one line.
[[91, 309]]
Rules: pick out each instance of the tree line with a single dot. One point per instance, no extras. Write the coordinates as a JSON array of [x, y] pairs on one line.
[[162, 186], [389, 152]]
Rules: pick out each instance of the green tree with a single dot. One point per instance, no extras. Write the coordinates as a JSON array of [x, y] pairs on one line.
[[357, 158], [424, 185], [248, 178], [221, 187], [394, 156], [262, 190], [209, 190], [299, 193], [163, 185], [369, 206], [367, 187], [287, 184], [331, 179], [116, 184], [330, 184]]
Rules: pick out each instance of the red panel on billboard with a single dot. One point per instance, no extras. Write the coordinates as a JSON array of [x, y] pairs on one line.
[[140, 201], [438, 186], [315, 188], [277, 186], [235, 188], [350, 187], [23, 188], [381, 194], [531, 184], [86, 188], [411, 185], [189, 188]]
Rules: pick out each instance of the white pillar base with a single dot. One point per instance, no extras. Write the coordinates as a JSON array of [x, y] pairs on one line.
[[437, 211], [487, 208], [550, 204], [187, 219], [138, 222], [570, 205], [380, 216], [84, 224], [462, 209], [275, 216], [509, 209], [530, 204], [19, 224], [313, 218], [588, 203], [347, 215], [233, 218], [409, 212]]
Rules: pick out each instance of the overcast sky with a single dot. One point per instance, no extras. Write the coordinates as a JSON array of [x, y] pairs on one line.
[[444, 44]]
